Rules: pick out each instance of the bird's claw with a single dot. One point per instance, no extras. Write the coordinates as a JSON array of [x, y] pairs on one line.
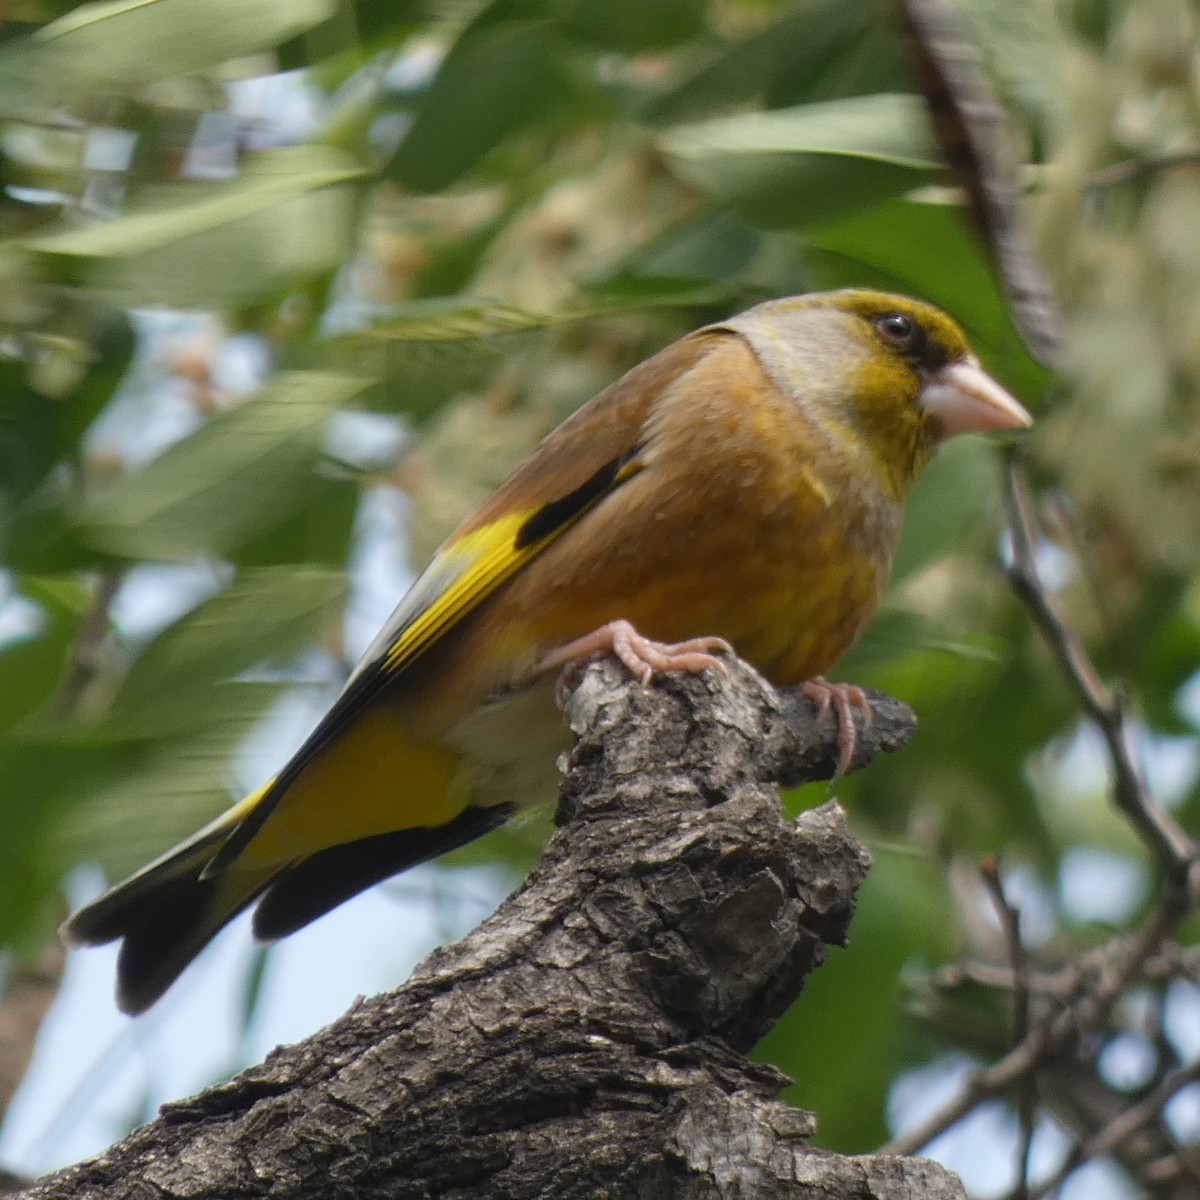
[[641, 656], [842, 699]]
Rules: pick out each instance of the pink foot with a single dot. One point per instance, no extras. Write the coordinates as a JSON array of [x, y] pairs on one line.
[[641, 655], [842, 699]]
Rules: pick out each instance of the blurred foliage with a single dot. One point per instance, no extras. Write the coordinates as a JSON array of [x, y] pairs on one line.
[[492, 209]]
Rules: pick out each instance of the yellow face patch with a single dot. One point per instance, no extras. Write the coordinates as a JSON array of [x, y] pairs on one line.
[[941, 335]]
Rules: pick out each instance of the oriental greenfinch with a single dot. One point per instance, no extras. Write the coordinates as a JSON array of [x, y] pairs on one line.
[[743, 488]]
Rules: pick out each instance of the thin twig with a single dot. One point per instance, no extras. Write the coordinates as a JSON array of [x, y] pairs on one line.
[[1010, 920], [1054, 985], [1065, 521], [82, 665], [1170, 845], [1089, 988], [1184, 1161], [978, 1086], [1088, 1012], [1121, 1127], [1168, 962], [1131, 168]]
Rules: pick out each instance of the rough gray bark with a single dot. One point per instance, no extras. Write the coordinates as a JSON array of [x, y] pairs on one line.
[[588, 1039]]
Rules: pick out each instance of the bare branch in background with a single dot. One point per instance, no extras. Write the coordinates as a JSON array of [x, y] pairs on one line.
[[1169, 844], [971, 128], [1010, 920], [85, 654], [1062, 1017], [1132, 1119], [1130, 169]]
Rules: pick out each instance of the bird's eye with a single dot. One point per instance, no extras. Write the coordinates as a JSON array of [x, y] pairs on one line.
[[899, 329]]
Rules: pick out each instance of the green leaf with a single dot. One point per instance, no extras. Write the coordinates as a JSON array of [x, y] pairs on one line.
[[316, 528], [136, 41], [30, 668], [29, 433], [153, 792], [235, 476], [1023, 45], [821, 50], [632, 26], [457, 319], [846, 48], [36, 12], [356, 26], [713, 246], [103, 337], [439, 347], [33, 792], [640, 292], [803, 166], [46, 404], [973, 713], [287, 215], [732, 73], [43, 536], [467, 318], [420, 377], [950, 505], [499, 77], [264, 614]]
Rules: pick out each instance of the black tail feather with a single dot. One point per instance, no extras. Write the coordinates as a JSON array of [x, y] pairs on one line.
[[169, 930], [169, 911], [322, 881], [111, 915]]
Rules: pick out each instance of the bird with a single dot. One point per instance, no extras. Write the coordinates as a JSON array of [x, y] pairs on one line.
[[741, 490]]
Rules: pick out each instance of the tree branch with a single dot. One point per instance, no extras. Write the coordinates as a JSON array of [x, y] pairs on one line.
[[588, 1038], [1174, 849], [1075, 1004]]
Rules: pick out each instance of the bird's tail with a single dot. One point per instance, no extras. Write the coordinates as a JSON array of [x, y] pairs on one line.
[[168, 911]]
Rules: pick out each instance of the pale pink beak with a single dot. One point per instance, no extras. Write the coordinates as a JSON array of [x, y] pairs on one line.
[[963, 398]]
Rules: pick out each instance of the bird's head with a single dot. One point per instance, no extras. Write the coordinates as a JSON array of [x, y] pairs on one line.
[[883, 375]]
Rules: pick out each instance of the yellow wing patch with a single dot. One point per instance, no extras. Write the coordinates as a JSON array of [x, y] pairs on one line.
[[485, 558], [462, 574], [472, 566]]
